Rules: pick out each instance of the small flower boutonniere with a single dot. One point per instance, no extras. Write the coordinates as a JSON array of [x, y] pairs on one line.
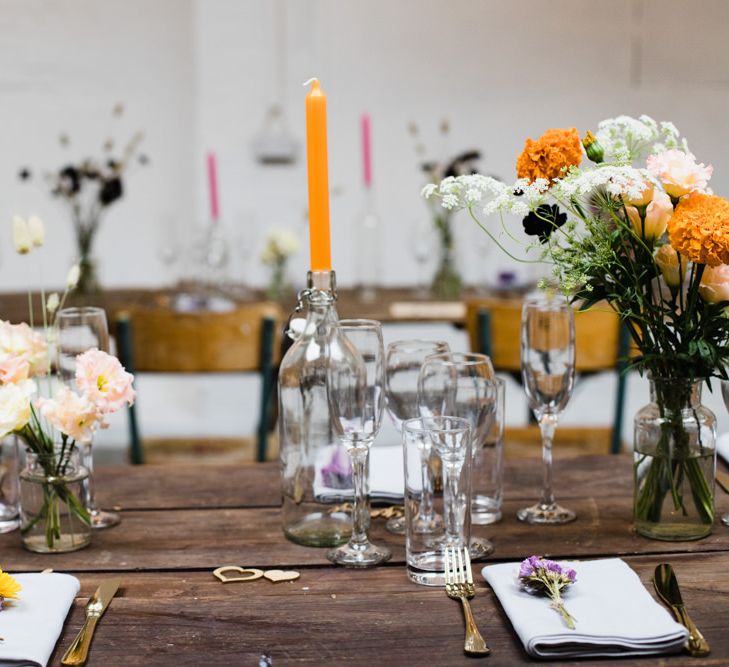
[[9, 588], [540, 575]]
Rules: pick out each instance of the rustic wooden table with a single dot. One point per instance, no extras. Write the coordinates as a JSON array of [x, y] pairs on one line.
[[180, 523]]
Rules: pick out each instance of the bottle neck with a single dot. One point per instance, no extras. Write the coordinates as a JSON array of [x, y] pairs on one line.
[[675, 393]]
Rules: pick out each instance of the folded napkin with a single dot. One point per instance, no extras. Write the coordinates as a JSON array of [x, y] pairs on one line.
[[31, 625], [614, 614], [722, 446], [333, 482]]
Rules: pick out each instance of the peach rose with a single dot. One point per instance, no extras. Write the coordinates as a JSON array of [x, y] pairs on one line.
[[679, 173], [74, 415], [668, 262], [21, 340], [646, 196], [657, 215], [714, 285], [14, 368], [103, 379]]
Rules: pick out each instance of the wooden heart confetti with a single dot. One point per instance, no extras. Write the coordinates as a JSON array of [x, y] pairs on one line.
[[277, 576], [252, 572]]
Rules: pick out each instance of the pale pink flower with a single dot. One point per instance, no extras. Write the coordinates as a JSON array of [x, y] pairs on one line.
[[74, 415], [679, 173], [714, 285], [103, 379], [14, 368], [20, 339], [657, 215]]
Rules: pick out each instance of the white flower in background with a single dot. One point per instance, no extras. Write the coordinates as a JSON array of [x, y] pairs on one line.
[[53, 302], [15, 405], [21, 236], [36, 231], [74, 274], [280, 245]]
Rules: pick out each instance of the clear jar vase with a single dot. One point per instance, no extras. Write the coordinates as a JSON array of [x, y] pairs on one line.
[[674, 463], [307, 439], [53, 514], [447, 282]]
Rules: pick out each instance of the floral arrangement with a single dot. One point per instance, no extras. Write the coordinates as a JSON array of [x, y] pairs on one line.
[[637, 228], [542, 576], [51, 426], [280, 245], [9, 588], [447, 280], [87, 188]]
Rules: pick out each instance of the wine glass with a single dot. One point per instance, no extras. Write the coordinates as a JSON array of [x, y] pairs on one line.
[[355, 390], [548, 374], [79, 330], [403, 361], [465, 386]]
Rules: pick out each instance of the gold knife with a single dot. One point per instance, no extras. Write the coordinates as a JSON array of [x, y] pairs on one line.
[[96, 606], [667, 588], [723, 480]]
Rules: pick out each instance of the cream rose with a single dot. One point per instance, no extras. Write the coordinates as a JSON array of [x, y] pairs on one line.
[[20, 340], [15, 405], [668, 262], [714, 285], [679, 173], [646, 196], [657, 215]]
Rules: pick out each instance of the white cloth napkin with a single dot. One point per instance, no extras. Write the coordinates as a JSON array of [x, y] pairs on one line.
[[722, 446], [614, 614], [387, 480], [30, 626]]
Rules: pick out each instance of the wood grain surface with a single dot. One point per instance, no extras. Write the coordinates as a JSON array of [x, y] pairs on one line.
[[181, 523]]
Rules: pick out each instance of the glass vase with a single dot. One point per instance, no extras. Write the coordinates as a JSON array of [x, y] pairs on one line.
[[53, 515], [447, 281], [88, 280], [307, 439], [674, 463]]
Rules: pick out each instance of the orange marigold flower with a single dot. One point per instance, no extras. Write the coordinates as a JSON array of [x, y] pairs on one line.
[[550, 154], [699, 229]]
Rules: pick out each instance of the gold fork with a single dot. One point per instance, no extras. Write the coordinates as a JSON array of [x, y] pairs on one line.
[[459, 586]]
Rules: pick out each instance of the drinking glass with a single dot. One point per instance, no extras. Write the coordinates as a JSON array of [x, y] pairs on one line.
[[403, 361], [9, 484], [462, 385], [355, 390], [548, 374], [79, 330], [448, 439]]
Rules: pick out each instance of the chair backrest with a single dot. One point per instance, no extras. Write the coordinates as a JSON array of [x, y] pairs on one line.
[[200, 342], [597, 334]]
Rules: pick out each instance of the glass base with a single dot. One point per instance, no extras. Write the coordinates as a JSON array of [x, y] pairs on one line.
[[670, 531], [64, 544], [9, 525], [396, 525], [101, 519], [359, 555], [542, 514], [480, 547], [425, 577], [725, 519]]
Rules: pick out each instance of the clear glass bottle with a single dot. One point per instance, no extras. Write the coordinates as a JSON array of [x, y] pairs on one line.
[[307, 439], [367, 252], [674, 462]]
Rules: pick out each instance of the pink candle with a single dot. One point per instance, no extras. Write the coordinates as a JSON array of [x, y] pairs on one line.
[[366, 150], [213, 186]]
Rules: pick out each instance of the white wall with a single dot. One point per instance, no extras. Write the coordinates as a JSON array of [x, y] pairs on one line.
[[199, 75]]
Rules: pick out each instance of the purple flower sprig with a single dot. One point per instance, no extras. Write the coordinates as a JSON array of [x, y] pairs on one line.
[[540, 575]]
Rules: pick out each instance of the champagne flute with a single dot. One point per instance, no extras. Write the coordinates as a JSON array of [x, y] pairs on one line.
[[548, 374], [403, 361], [464, 386], [355, 390], [79, 330]]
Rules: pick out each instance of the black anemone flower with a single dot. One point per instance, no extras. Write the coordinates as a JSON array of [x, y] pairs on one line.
[[544, 221], [110, 191]]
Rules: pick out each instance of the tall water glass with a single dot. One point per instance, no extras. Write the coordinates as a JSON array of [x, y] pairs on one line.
[[548, 374], [355, 391], [448, 439], [9, 484], [79, 330], [462, 385], [403, 361]]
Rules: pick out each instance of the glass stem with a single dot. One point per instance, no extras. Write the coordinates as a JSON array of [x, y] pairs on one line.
[[453, 506], [547, 426], [361, 480], [88, 463]]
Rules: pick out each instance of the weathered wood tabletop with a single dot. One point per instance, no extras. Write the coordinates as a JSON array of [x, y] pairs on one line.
[[180, 523]]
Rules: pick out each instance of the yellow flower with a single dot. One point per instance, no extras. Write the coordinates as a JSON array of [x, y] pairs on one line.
[[548, 156], [9, 587], [699, 229]]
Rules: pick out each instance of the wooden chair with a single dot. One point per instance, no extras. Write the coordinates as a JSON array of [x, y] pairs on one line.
[[154, 340], [602, 344]]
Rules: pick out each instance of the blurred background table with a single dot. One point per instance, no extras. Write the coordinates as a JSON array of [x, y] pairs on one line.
[[180, 524]]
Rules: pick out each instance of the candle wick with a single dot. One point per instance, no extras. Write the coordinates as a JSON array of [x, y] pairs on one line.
[[313, 78]]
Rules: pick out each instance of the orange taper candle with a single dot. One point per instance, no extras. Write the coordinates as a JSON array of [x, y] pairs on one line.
[[316, 157]]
